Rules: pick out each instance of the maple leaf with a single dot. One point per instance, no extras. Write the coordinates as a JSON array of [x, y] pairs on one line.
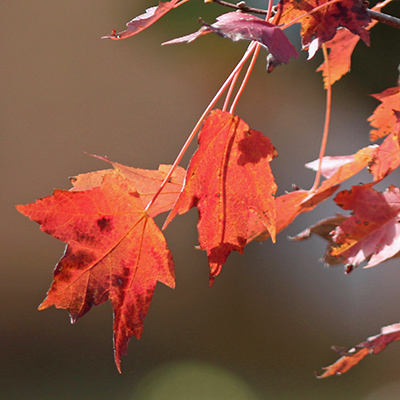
[[387, 156], [373, 345], [240, 26], [115, 252], [320, 26], [371, 233], [384, 118], [336, 169], [341, 48], [143, 21], [230, 181]]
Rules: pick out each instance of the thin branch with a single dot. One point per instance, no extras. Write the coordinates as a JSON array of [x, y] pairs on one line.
[[385, 18], [239, 6], [380, 17], [327, 119]]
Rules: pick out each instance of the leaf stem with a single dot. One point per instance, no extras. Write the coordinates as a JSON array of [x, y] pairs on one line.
[[238, 67], [249, 69], [230, 91], [180, 3], [246, 78], [327, 118]]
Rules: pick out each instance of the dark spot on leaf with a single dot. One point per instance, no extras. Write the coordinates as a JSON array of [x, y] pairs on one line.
[[105, 224], [83, 237], [255, 146], [77, 260]]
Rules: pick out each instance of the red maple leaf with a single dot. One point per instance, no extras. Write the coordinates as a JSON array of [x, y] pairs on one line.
[[230, 181], [373, 345], [115, 251], [240, 26], [143, 21], [384, 118], [341, 49], [320, 26]]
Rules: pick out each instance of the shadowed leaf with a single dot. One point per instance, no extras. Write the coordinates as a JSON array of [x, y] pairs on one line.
[[373, 345], [240, 26], [320, 26]]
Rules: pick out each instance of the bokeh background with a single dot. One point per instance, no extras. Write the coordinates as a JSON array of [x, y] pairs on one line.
[[273, 313]]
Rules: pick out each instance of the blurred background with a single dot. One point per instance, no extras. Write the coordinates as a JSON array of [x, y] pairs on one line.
[[268, 322]]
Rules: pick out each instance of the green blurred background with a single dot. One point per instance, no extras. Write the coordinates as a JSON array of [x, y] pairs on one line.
[[273, 313]]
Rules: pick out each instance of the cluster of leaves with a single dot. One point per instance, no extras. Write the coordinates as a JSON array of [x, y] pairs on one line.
[[115, 251]]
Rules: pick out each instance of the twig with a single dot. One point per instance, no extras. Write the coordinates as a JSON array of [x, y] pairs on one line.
[[380, 17], [239, 6], [385, 18]]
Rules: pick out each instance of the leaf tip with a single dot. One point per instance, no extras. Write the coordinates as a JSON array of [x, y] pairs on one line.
[[113, 36]]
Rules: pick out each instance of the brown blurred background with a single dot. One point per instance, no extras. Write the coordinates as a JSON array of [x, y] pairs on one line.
[[273, 313]]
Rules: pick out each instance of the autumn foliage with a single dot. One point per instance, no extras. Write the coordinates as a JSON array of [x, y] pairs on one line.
[[115, 250]]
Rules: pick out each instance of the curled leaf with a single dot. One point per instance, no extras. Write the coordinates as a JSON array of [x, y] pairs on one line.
[[373, 345], [143, 21], [370, 234], [240, 26]]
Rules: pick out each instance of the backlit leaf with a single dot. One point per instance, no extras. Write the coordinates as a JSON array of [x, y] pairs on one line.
[[145, 181], [230, 181], [384, 118], [387, 156], [115, 252]]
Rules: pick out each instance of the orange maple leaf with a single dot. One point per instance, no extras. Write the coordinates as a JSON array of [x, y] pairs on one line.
[[115, 252], [320, 26], [384, 117], [230, 181], [146, 183], [387, 156], [341, 48], [335, 169], [373, 345]]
